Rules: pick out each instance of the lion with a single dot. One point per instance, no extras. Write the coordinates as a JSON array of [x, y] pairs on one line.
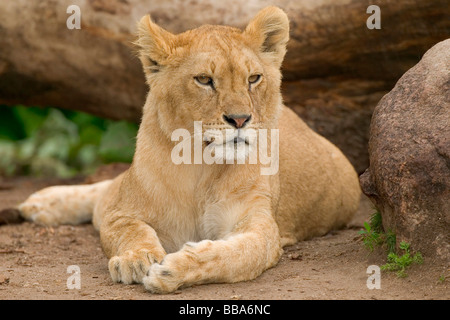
[[169, 225]]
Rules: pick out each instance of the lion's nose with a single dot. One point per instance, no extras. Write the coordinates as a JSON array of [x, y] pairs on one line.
[[237, 120]]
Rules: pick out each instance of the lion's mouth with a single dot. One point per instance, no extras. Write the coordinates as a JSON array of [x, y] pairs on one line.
[[238, 140], [235, 141]]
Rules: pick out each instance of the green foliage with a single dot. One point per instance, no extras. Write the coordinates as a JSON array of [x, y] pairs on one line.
[[400, 263], [114, 144], [371, 239], [53, 142], [19, 122], [390, 241], [376, 222], [373, 236]]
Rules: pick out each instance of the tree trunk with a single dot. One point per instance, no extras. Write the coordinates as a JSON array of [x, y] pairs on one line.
[[335, 71]]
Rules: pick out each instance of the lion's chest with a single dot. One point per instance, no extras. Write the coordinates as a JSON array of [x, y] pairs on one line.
[[193, 224]]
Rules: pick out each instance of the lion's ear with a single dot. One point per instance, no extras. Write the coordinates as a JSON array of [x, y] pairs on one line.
[[268, 32], [154, 44]]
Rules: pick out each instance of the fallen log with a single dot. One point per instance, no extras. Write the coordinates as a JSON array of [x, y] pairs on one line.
[[94, 69]]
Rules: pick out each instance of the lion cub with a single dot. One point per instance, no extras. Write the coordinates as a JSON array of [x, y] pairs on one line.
[[168, 224]]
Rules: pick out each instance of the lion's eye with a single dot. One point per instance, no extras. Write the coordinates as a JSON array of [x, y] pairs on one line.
[[254, 78], [204, 80]]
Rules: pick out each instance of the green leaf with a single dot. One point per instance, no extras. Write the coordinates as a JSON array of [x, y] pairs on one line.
[[91, 135], [376, 223], [418, 259], [10, 126], [31, 118], [57, 147], [390, 239], [404, 246], [57, 142], [87, 156], [118, 143], [51, 167], [82, 119], [57, 123], [26, 149], [7, 158]]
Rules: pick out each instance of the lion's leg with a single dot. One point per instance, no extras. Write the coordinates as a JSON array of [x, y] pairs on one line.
[[63, 204], [244, 254], [132, 246]]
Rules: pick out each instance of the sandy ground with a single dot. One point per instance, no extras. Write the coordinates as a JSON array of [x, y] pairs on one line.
[[34, 262]]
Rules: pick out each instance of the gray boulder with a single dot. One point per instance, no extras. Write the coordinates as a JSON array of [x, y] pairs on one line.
[[409, 149]]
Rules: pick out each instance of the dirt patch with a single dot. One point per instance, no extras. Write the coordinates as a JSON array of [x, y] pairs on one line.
[[34, 262]]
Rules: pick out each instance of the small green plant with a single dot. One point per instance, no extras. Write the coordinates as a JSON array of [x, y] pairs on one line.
[[371, 239], [376, 222], [390, 241], [400, 263], [373, 235]]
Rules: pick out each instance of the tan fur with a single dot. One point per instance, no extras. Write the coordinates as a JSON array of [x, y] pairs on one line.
[[167, 225]]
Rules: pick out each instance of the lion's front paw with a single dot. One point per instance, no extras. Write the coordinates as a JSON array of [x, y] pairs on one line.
[[131, 267], [161, 279]]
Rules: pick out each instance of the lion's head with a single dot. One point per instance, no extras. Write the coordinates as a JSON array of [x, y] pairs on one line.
[[222, 76]]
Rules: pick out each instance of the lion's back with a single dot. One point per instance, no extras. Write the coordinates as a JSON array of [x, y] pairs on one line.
[[319, 188]]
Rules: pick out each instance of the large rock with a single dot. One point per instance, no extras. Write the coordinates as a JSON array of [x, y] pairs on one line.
[[409, 149], [335, 69]]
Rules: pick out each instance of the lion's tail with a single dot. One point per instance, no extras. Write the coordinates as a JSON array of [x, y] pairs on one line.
[[63, 204]]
